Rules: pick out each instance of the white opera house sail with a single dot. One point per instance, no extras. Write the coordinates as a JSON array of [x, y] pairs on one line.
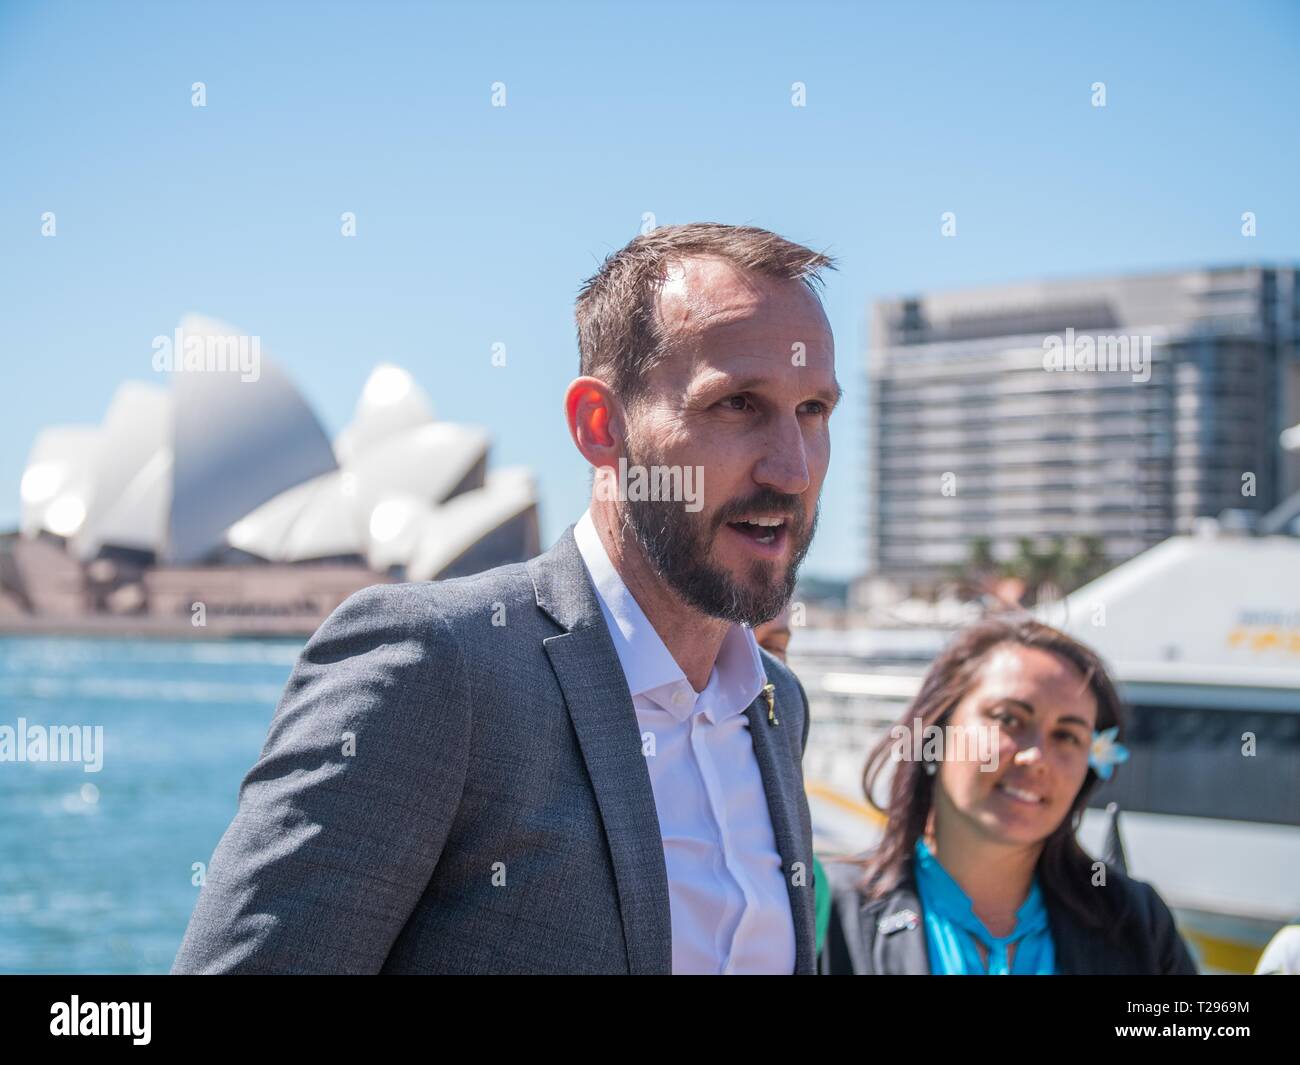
[[218, 487]]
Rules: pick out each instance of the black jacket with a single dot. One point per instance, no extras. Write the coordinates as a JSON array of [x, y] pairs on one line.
[[887, 936]]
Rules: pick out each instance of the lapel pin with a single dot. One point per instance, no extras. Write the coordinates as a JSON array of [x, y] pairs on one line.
[[897, 922], [769, 692]]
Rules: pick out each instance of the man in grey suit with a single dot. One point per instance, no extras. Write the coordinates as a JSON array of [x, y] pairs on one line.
[[581, 763]]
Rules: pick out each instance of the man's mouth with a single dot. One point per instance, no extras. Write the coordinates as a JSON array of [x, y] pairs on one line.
[[760, 528], [767, 531], [1031, 798]]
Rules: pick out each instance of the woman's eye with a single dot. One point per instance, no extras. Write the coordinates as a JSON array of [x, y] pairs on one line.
[[1072, 738]]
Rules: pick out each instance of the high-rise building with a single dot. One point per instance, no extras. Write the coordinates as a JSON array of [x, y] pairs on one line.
[[1121, 408]]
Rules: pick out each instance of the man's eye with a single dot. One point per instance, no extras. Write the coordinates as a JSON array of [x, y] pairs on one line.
[[818, 406], [736, 402]]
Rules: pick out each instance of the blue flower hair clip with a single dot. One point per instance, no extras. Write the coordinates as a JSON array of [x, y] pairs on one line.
[[1106, 752]]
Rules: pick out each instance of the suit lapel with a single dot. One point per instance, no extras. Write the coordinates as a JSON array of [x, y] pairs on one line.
[[1075, 951], [604, 719], [897, 930], [782, 786]]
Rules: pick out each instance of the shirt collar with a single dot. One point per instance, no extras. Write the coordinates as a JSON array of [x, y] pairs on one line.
[[940, 891], [737, 677]]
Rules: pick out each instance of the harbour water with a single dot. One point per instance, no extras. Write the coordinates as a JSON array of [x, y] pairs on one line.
[[97, 869]]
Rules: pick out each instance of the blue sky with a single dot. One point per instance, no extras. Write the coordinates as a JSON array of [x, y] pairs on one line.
[[476, 224]]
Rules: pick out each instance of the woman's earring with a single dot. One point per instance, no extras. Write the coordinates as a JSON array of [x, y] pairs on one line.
[[931, 768]]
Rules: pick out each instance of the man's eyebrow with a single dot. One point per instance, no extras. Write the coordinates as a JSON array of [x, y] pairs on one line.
[[830, 396]]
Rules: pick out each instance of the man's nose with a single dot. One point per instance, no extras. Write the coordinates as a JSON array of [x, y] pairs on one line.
[[784, 465]]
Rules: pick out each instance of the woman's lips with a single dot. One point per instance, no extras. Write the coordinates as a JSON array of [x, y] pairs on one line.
[[1027, 796]]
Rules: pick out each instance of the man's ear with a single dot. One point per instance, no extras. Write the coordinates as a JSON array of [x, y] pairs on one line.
[[595, 420]]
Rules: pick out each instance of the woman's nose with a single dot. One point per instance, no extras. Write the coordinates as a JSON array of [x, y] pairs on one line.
[[1027, 756]]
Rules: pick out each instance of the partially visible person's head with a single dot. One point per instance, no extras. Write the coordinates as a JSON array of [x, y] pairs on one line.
[[774, 636], [706, 357], [1041, 695]]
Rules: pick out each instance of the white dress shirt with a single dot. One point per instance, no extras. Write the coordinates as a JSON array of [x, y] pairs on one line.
[[728, 898]]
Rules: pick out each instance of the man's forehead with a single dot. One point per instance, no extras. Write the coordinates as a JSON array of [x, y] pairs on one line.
[[702, 293]]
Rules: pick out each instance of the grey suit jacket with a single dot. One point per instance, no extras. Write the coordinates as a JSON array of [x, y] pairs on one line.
[[453, 782]]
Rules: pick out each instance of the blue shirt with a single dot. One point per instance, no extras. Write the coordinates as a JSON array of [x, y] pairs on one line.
[[952, 930]]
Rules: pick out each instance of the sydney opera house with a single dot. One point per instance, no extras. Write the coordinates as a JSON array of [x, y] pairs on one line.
[[218, 504]]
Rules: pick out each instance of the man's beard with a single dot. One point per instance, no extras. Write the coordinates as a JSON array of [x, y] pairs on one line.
[[677, 543]]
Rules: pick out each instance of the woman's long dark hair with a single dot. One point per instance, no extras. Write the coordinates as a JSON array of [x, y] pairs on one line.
[[1064, 868]]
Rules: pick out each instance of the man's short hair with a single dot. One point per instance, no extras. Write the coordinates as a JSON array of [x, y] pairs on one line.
[[619, 334]]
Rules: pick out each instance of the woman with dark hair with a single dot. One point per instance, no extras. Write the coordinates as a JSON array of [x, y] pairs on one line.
[[979, 870]]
